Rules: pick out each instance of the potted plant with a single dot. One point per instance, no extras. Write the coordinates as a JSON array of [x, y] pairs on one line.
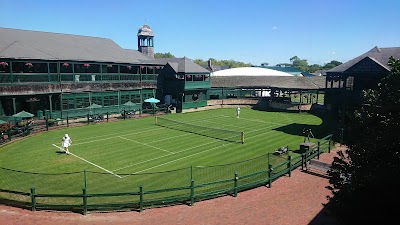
[[3, 66]]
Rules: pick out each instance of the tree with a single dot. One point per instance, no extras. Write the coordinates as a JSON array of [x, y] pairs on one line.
[[313, 68], [331, 65], [300, 64], [163, 55], [224, 63], [365, 178]]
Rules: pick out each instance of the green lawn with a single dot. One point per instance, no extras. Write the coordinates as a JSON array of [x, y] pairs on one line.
[[120, 156]]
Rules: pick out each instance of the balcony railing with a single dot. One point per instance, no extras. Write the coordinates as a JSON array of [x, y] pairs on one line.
[[74, 77]]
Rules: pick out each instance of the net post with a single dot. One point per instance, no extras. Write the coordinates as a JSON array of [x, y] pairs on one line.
[[242, 137], [155, 119]]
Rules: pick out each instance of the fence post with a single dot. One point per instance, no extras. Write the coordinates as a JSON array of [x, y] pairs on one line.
[[191, 172], [9, 134], [141, 198], [329, 146], [47, 124], [191, 192], [318, 149], [107, 116], [33, 198], [302, 160], [235, 186], [88, 120], [84, 195], [270, 175], [290, 165], [84, 179]]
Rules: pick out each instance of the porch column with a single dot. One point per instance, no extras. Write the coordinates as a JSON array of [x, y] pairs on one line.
[[51, 105], [14, 106]]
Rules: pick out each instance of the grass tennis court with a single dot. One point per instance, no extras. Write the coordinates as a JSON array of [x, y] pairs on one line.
[[120, 156]]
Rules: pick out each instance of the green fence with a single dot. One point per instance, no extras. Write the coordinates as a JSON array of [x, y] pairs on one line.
[[105, 191]]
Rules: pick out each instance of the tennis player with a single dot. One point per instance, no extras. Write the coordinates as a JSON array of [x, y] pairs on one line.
[[237, 111], [66, 142]]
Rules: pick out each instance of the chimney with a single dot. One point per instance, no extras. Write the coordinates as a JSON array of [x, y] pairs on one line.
[[209, 65]]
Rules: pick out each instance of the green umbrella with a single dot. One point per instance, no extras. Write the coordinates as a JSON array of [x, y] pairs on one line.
[[129, 104], [94, 106], [3, 122], [23, 114]]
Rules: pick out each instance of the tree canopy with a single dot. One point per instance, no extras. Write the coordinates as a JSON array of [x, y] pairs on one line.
[[163, 55], [365, 177], [295, 62]]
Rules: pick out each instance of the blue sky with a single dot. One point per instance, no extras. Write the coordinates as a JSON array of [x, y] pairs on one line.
[[251, 31]]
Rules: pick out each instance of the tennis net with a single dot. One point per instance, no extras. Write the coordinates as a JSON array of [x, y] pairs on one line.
[[221, 134]]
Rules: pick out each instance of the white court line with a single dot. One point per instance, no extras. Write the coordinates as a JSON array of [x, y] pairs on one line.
[[117, 135], [260, 121], [88, 162], [111, 137], [180, 158], [145, 144], [149, 160]]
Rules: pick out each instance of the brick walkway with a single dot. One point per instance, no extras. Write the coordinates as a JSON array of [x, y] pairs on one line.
[[291, 200]]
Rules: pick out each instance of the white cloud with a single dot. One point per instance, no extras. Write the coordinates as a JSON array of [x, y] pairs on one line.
[[274, 28]]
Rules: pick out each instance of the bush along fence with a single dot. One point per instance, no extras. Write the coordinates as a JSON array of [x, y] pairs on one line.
[[86, 191]]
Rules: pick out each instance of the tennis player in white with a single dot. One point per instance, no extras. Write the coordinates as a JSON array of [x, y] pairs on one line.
[[237, 111], [66, 142]]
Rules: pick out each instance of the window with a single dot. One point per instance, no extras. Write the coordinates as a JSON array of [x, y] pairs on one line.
[[349, 83]]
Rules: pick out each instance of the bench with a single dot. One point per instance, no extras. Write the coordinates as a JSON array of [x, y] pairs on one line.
[[318, 168]]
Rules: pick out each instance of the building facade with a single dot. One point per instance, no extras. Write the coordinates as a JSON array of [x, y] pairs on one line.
[[56, 74], [344, 84]]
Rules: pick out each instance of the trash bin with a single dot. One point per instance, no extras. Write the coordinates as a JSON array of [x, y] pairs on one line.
[[40, 114], [304, 147]]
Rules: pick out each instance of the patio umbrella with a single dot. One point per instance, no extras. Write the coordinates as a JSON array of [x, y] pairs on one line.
[[94, 106], [23, 114], [152, 101], [129, 104], [3, 122]]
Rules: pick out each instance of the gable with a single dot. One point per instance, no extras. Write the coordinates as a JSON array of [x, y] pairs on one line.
[[367, 65]]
